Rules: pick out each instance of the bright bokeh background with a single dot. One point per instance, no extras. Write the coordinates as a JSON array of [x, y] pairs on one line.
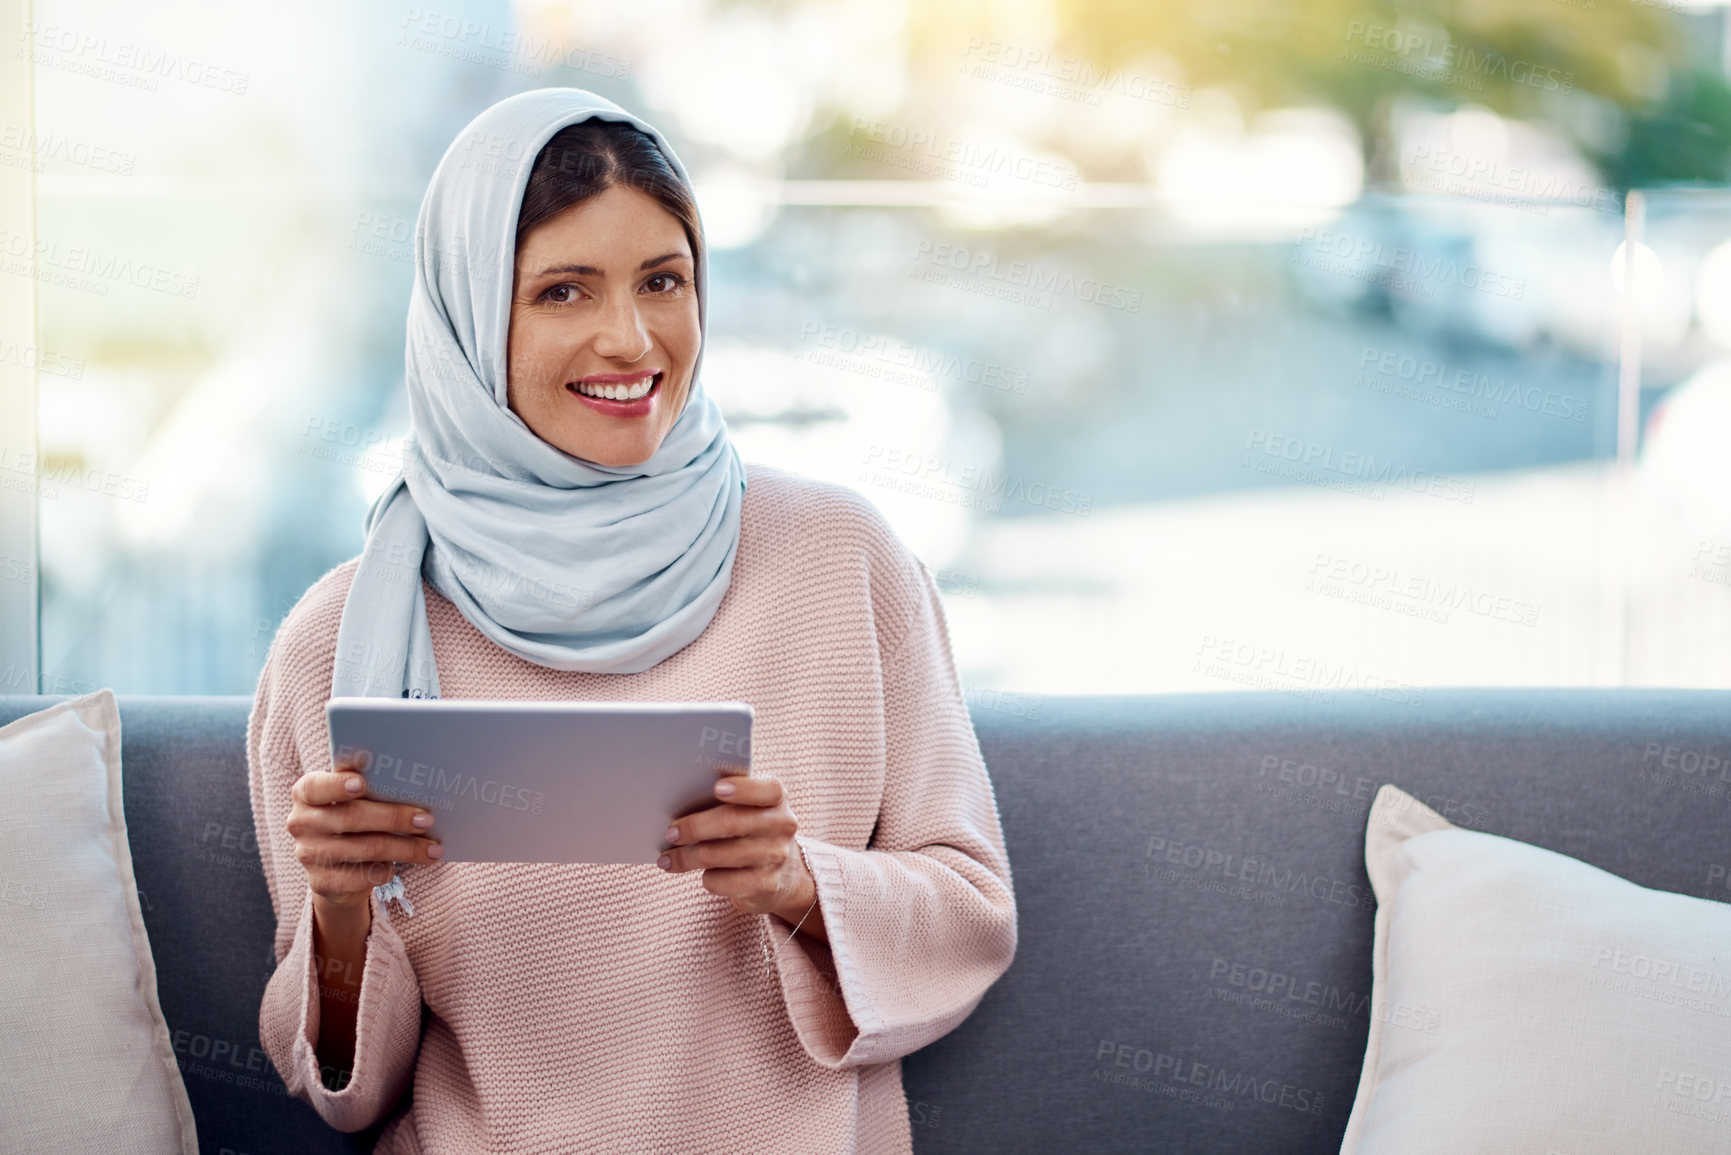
[[1194, 347]]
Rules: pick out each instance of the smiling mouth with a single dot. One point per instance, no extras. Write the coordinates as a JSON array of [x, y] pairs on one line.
[[634, 390]]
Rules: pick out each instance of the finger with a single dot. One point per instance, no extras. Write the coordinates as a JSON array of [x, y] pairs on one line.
[[743, 791], [730, 821], [322, 788], [765, 853], [347, 849], [366, 815]]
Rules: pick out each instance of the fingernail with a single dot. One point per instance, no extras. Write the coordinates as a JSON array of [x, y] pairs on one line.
[[354, 785], [665, 862], [435, 851], [422, 820], [723, 789], [672, 834]]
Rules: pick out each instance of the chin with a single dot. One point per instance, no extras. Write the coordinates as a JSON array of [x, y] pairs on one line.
[[616, 453]]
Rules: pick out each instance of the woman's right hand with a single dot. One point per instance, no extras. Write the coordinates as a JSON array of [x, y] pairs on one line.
[[349, 844]]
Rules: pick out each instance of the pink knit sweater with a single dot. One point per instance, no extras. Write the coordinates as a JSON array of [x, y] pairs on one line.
[[620, 1008]]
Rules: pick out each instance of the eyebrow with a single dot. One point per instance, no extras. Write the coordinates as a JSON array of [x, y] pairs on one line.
[[592, 271]]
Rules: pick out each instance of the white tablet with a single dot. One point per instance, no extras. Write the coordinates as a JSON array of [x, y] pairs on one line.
[[535, 781]]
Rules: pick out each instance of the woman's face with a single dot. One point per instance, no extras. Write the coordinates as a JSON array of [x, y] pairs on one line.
[[604, 327]]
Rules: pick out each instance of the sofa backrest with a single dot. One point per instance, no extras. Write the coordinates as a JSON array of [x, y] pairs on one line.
[[1184, 864], [1194, 911]]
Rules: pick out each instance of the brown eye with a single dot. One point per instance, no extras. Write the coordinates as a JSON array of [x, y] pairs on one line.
[[664, 283], [559, 295]]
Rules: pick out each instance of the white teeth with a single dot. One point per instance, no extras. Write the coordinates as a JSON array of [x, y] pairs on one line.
[[629, 392]]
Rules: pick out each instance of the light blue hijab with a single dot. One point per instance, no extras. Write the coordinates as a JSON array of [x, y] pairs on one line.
[[566, 563]]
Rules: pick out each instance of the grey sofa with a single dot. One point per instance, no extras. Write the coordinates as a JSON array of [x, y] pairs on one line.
[[1189, 869]]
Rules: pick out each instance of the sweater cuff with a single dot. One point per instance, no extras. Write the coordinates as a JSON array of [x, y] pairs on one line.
[[387, 1031], [830, 1006]]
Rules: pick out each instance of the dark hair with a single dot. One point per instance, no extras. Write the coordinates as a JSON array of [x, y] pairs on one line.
[[586, 159]]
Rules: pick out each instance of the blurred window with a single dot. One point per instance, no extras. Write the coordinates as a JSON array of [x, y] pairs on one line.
[[1174, 389]]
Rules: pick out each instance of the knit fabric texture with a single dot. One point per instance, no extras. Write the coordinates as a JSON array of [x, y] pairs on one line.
[[561, 1008]]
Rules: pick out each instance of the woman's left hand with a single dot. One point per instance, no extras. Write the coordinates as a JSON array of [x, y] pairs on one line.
[[746, 850]]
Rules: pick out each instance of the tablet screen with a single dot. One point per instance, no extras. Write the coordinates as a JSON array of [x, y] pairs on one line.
[[540, 781]]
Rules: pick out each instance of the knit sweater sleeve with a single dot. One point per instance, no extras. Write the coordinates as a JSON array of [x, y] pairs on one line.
[[923, 920], [286, 737]]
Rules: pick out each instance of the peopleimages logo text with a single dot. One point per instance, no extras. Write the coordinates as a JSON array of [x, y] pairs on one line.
[[958, 157], [1448, 60], [1232, 867], [454, 35], [94, 269], [939, 474], [455, 783], [1076, 72], [1357, 251], [1361, 467], [1027, 275], [107, 59], [1478, 386], [1209, 1077]]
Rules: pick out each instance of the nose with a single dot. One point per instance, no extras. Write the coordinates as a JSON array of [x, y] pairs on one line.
[[622, 336]]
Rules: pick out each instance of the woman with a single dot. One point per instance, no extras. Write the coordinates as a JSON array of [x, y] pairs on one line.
[[572, 522]]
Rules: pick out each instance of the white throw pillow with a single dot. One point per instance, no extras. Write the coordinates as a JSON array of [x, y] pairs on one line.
[[1525, 1002], [86, 1063]]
